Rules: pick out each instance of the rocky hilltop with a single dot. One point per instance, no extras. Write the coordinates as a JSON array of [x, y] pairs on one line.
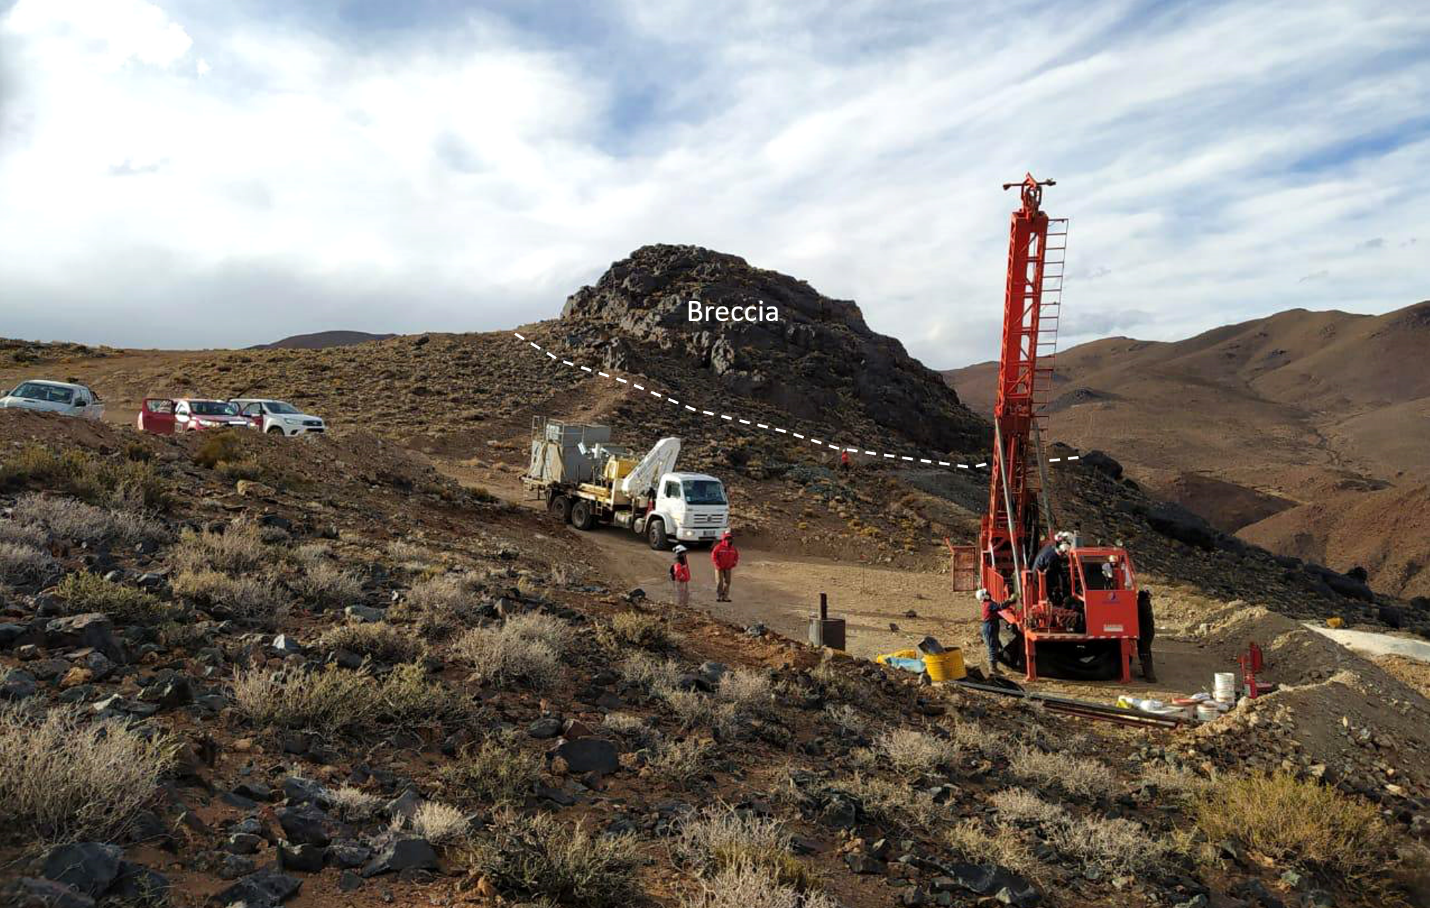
[[819, 357]]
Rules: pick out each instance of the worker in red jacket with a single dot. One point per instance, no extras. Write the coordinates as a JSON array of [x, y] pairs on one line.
[[724, 556], [680, 576], [991, 607]]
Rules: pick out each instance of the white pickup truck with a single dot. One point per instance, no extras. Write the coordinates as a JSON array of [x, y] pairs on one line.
[[586, 480], [278, 416], [55, 397]]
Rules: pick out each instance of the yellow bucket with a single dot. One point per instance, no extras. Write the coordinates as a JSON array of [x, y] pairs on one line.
[[946, 666]]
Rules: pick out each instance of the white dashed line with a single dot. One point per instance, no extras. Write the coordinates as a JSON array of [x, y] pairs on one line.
[[745, 422]]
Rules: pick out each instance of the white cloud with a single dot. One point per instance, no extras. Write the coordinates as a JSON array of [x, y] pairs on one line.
[[276, 177]]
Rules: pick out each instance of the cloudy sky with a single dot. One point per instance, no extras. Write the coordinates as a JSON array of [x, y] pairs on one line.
[[189, 173]]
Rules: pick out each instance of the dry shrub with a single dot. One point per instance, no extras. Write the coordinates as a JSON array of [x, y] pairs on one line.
[[440, 824], [323, 581], [1079, 777], [239, 549], [1112, 846], [751, 887], [847, 719], [222, 446], [912, 752], [1182, 784], [523, 648], [62, 779], [120, 483], [84, 593], [245, 598], [19, 534], [629, 728], [835, 681], [718, 839], [353, 805], [23, 564], [697, 710], [749, 690], [968, 735], [379, 641], [67, 518], [335, 700], [439, 605], [639, 629], [681, 762], [496, 771], [1006, 846], [411, 557], [1295, 821], [649, 673], [539, 857], [893, 803]]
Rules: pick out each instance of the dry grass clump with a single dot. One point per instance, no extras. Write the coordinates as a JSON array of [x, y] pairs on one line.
[[84, 592], [353, 805], [523, 648], [1079, 777], [24, 564], [1179, 783], [239, 549], [697, 710], [411, 557], [972, 842], [379, 641], [67, 518], [222, 446], [22, 535], [245, 598], [631, 729], [638, 629], [539, 857], [912, 752], [335, 700], [749, 690], [718, 839], [681, 762], [440, 824], [893, 803], [649, 673], [439, 605], [62, 779], [322, 580], [848, 719], [1295, 821], [120, 483], [496, 771], [1111, 846], [751, 887]]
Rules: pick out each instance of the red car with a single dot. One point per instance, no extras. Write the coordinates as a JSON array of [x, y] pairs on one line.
[[163, 416]]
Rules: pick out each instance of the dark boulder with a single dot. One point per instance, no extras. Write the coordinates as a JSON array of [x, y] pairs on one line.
[[583, 755], [409, 853], [87, 867], [305, 825], [90, 630], [27, 892], [259, 890]]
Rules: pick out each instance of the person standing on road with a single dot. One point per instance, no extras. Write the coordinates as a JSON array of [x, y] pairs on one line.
[[680, 576], [844, 460], [1146, 630], [724, 556], [991, 623]]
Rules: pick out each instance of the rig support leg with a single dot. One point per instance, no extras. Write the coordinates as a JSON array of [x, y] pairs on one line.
[[1127, 644], [1030, 650]]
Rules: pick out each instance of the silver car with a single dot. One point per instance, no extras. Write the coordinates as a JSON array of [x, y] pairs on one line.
[[55, 397]]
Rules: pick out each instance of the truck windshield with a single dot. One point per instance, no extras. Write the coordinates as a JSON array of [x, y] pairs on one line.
[[51, 393], [214, 408], [281, 408], [704, 491]]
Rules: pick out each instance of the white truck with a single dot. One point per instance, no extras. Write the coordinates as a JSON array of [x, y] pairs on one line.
[[587, 480], [68, 398]]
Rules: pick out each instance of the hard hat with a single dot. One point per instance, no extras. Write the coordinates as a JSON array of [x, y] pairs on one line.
[[1064, 545], [678, 549], [983, 594]]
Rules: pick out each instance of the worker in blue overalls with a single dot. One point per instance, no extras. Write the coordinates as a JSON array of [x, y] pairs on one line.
[[990, 629]]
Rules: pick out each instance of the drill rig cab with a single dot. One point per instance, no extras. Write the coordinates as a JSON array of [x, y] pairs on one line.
[[1078, 618]]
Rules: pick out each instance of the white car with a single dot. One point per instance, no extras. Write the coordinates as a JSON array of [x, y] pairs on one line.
[[278, 416], [55, 397]]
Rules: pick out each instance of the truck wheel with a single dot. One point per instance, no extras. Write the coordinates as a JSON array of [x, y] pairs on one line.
[[275, 430], [560, 508], [581, 517], [655, 532]]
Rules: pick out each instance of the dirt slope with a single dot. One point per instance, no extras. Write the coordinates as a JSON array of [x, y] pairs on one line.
[[1293, 419]]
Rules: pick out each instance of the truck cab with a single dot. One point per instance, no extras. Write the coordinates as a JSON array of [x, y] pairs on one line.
[[688, 507]]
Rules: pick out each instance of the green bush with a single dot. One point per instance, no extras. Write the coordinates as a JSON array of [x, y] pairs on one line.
[[84, 592]]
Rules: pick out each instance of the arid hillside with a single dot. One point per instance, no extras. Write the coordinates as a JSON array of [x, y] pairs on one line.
[[1300, 432]]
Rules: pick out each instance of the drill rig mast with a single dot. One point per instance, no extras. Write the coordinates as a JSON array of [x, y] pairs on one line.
[[1081, 617]]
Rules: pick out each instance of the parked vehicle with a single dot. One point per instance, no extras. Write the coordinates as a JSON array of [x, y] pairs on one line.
[[188, 414], [587, 480], [277, 416], [55, 397]]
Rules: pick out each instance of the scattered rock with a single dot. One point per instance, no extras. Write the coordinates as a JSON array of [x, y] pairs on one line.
[[305, 824], [267, 887], [27, 892], [583, 755], [409, 853], [17, 685], [89, 630], [86, 867]]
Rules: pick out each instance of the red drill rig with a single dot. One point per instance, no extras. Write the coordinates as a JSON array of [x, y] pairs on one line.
[[1079, 619]]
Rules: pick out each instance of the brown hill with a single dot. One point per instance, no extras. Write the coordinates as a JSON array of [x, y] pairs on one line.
[[1297, 415], [322, 340]]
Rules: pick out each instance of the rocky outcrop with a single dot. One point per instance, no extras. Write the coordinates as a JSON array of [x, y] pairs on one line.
[[818, 358]]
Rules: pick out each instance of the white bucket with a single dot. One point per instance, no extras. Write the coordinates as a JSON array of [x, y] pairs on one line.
[[1207, 712], [1224, 686]]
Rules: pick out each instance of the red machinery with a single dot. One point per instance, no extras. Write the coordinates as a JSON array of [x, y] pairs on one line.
[[1090, 625]]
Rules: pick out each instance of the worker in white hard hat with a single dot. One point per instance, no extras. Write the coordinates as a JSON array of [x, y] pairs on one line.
[[1052, 564], [680, 576]]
